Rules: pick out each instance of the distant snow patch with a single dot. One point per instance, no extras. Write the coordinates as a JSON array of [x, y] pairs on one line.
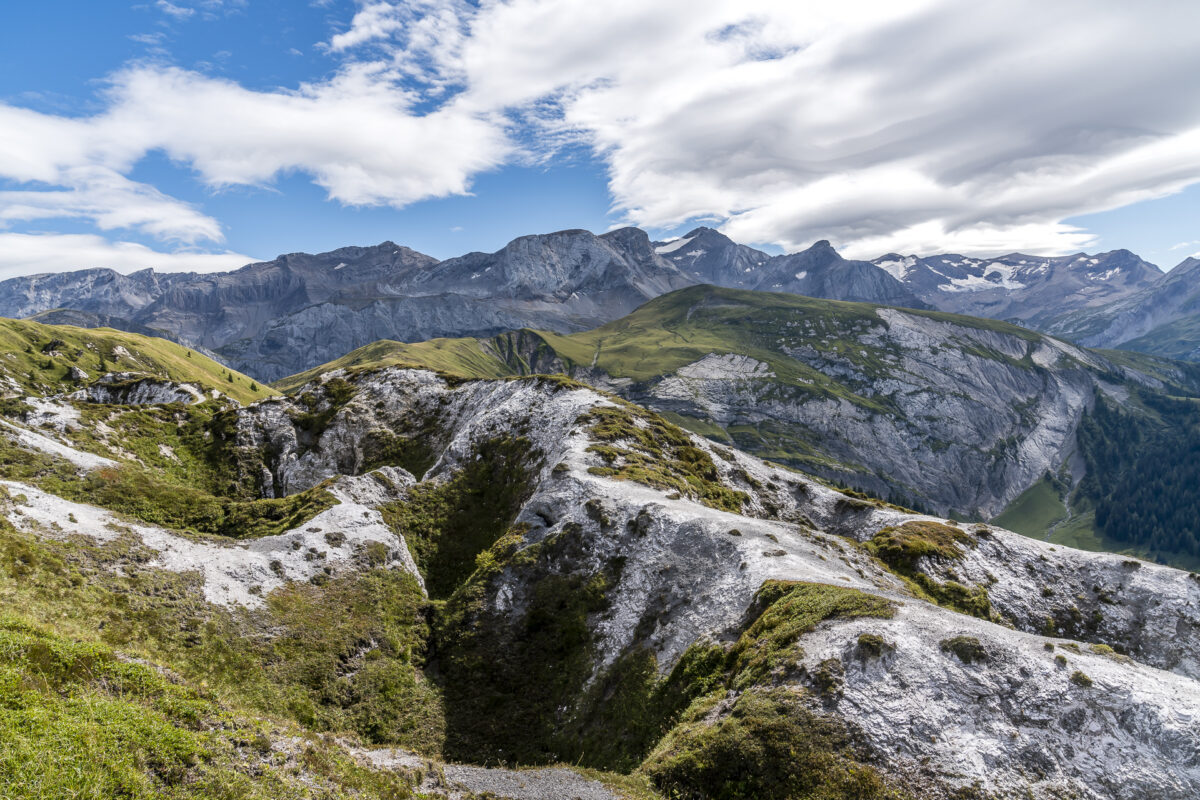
[[672, 246], [898, 269]]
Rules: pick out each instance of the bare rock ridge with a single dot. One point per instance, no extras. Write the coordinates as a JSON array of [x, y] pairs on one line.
[[642, 599]]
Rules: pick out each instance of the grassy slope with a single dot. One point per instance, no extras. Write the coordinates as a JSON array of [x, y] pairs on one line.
[[1034, 512], [250, 695], [674, 330], [1181, 377], [464, 357], [1177, 339], [684, 326], [25, 357], [1040, 513]]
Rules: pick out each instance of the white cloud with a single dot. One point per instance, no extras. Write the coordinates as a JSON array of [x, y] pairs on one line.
[[920, 125], [178, 12], [355, 134], [26, 254], [111, 201], [373, 21], [879, 125]]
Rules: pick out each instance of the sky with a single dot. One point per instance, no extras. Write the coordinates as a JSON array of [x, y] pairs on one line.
[[205, 134]]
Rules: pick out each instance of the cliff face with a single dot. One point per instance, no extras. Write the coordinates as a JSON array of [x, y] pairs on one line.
[[949, 413]]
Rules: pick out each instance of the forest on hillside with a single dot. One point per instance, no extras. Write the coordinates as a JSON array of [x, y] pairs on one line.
[[1143, 472]]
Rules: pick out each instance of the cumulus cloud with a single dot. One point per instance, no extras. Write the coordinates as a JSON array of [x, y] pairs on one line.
[[356, 134], [373, 21], [882, 126], [27, 254], [897, 125]]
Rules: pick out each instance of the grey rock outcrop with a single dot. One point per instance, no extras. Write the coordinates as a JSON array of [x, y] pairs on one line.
[[138, 389], [945, 413], [1016, 722]]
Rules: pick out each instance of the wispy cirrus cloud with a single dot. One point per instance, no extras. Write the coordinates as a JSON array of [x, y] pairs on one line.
[[172, 10]]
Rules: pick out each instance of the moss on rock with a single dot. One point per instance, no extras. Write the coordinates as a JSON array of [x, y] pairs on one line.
[[639, 446], [448, 524], [765, 743]]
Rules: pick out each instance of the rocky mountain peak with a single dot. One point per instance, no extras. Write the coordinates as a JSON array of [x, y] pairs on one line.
[[1189, 266]]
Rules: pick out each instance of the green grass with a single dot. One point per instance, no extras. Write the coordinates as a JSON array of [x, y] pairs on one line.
[[1034, 512], [786, 610], [448, 525], [347, 656], [343, 654], [1177, 339], [162, 499], [77, 721], [1040, 507], [700, 427], [461, 357], [741, 738], [1181, 377], [900, 547], [768, 744], [901, 550], [1080, 532], [38, 357], [679, 328]]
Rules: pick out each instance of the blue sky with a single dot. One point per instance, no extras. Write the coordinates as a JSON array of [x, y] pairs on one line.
[[196, 134]]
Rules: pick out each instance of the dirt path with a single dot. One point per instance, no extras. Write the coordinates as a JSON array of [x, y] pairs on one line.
[[453, 780]]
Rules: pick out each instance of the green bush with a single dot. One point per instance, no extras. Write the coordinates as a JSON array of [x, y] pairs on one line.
[[768, 745]]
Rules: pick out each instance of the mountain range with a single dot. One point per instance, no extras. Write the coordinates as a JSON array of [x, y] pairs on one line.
[[276, 318], [280, 317]]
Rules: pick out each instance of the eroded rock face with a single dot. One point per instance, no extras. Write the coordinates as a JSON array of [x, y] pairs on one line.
[[949, 416], [1019, 720], [136, 389], [1080, 676]]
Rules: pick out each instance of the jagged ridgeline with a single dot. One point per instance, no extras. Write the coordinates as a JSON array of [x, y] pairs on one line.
[[394, 577], [945, 413]]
